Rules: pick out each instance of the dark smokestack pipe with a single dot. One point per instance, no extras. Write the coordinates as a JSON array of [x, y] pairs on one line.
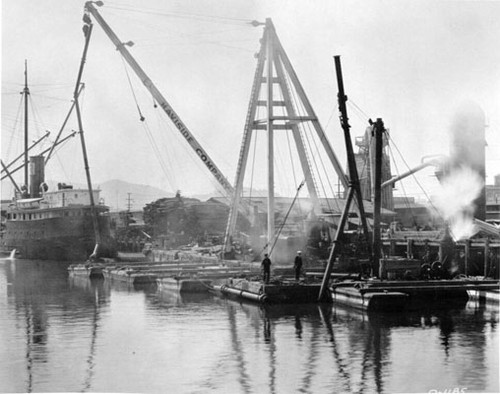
[[37, 175]]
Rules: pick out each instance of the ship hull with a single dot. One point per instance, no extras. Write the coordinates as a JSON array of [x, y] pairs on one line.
[[67, 235]]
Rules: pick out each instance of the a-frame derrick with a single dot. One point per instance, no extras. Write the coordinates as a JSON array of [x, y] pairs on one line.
[[276, 80]]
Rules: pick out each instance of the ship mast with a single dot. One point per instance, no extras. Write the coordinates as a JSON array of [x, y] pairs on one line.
[[26, 93]]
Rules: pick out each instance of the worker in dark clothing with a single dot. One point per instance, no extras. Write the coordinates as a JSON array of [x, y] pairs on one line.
[[297, 265], [266, 268]]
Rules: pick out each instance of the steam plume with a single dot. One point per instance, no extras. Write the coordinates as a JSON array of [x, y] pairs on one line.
[[456, 201]]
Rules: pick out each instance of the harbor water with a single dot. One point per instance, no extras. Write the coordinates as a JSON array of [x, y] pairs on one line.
[[62, 334]]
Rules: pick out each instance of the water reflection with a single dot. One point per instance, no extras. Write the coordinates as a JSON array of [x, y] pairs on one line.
[[43, 297], [238, 351], [362, 349], [175, 298], [342, 364], [75, 334], [101, 292]]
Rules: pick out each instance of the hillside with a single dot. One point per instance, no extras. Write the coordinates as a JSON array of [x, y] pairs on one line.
[[116, 194]]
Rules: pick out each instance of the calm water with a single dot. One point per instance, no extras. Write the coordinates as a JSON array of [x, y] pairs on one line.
[[60, 334]]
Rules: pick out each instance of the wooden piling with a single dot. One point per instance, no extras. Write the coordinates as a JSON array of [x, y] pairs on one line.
[[467, 257], [486, 256]]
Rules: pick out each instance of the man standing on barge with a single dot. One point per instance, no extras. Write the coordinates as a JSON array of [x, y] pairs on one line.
[[297, 265], [266, 268]]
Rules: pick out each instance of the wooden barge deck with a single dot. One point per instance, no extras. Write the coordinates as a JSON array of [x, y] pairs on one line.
[[399, 294], [276, 292], [238, 280]]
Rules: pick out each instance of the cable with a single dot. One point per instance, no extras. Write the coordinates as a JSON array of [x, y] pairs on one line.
[[277, 233], [142, 118], [354, 105], [16, 120], [413, 175], [200, 17]]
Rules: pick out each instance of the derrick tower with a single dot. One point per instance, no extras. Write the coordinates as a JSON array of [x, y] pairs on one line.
[[277, 89]]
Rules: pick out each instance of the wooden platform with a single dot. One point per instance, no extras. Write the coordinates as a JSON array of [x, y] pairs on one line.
[[153, 274], [146, 272], [391, 301], [398, 295], [282, 292]]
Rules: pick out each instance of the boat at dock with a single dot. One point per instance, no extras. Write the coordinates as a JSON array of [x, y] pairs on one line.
[[62, 224], [56, 226]]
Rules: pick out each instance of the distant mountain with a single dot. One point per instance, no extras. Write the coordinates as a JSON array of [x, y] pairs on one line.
[[117, 194]]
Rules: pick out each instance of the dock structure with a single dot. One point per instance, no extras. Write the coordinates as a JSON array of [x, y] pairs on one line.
[[165, 273], [152, 275]]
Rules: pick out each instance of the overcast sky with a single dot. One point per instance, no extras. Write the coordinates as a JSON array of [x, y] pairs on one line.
[[410, 63]]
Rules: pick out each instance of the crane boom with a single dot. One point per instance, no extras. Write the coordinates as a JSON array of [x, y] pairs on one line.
[[185, 132]]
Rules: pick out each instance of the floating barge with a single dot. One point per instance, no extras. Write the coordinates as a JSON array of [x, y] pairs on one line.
[[172, 275], [151, 275], [398, 295], [276, 292], [369, 300]]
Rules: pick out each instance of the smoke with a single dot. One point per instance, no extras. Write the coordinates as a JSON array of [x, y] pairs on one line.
[[455, 202]]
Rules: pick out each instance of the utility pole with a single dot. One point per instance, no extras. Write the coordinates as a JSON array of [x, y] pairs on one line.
[[129, 205], [129, 202]]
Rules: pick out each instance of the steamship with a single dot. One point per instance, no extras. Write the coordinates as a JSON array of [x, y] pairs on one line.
[[55, 224], [62, 224]]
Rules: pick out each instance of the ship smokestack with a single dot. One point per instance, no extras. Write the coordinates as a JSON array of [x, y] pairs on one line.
[[37, 175]]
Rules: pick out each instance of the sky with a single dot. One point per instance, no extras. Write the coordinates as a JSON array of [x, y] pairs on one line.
[[411, 63]]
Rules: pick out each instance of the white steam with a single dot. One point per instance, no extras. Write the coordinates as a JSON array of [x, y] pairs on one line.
[[455, 202]]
